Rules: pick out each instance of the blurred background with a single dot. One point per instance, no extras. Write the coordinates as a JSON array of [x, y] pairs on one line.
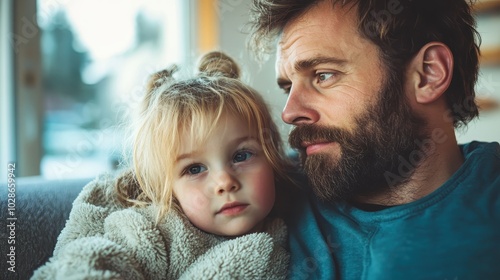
[[72, 71]]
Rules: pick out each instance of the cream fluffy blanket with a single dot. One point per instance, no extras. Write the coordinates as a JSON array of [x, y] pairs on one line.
[[104, 240]]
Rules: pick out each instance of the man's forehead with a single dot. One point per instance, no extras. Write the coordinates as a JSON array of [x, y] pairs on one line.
[[278, 65], [294, 30], [318, 23]]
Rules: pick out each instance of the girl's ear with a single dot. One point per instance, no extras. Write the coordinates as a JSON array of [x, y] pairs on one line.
[[430, 72]]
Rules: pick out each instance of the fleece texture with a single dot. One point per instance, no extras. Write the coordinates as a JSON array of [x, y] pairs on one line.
[[104, 240]]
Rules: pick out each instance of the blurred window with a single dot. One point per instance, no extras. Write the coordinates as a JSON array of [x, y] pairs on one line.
[[96, 57]]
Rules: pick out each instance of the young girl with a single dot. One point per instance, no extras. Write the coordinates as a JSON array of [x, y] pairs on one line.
[[199, 202]]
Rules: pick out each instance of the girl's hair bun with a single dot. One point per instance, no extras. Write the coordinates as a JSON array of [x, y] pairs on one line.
[[219, 64], [161, 77]]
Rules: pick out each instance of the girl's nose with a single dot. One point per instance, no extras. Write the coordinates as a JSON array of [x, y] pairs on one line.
[[226, 182]]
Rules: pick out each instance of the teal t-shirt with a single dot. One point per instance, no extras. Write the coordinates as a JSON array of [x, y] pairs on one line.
[[452, 233]]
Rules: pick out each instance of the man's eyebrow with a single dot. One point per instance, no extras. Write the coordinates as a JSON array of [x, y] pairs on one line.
[[305, 64]]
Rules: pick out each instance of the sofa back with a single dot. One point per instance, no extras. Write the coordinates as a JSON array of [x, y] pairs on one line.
[[33, 213]]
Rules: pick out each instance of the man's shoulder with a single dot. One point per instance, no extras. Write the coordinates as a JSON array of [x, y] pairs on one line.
[[482, 160], [478, 179], [476, 148]]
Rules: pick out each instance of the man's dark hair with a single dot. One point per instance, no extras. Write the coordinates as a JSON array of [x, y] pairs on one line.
[[400, 28]]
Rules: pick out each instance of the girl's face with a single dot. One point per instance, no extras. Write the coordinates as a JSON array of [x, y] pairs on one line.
[[226, 185]]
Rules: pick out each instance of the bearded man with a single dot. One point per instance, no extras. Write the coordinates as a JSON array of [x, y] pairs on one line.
[[375, 92]]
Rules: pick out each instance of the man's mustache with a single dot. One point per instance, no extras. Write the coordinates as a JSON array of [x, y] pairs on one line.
[[316, 133]]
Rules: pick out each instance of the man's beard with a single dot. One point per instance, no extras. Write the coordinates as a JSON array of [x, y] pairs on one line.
[[370, 159]]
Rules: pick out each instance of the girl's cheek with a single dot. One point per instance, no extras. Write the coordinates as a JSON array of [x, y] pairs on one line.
[[198, 209], [198, 202]]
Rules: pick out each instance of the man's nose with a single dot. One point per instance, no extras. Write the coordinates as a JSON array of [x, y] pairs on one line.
[[298, 109]]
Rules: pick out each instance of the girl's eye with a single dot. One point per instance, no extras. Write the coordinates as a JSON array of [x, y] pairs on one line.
[[242, 156], [195, 169]]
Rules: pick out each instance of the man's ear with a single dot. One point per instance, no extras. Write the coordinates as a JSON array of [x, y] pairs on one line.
[[430, 72]]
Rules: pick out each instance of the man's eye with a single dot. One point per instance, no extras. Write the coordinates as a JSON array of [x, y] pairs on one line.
[[286, 89], [195, 169], [242, 156], [322, 77]]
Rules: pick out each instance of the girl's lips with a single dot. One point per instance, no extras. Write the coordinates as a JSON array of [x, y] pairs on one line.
[[232, 208]]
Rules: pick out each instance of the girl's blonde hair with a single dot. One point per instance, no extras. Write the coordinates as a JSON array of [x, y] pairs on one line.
[[175, 113]]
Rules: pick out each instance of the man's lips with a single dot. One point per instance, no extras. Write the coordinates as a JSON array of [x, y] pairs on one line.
[[232, 208], [313, 147]]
